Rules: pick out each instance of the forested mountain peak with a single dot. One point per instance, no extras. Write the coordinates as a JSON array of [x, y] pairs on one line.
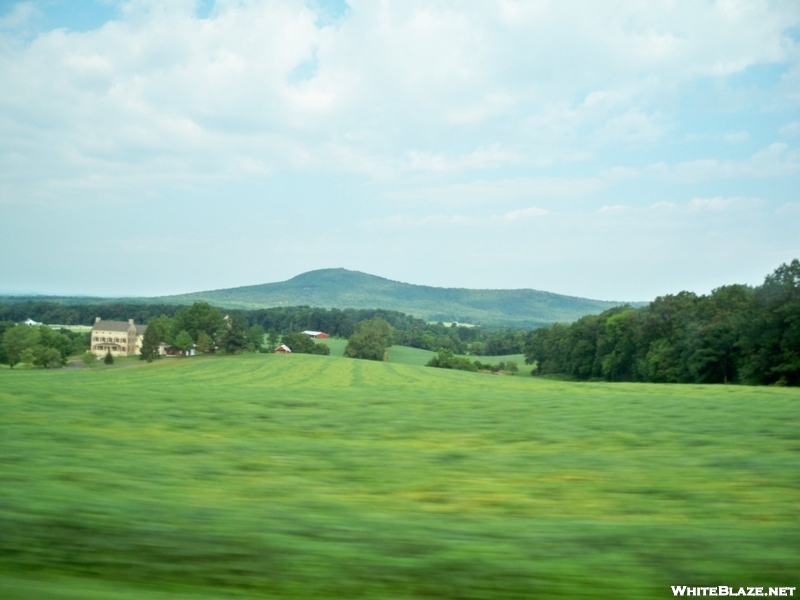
[[343, 288]]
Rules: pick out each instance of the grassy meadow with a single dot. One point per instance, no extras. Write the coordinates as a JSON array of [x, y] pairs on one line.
[[267, 476], [419, 357]]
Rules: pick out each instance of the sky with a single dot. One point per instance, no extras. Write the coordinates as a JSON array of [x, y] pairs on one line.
[[614, 150]]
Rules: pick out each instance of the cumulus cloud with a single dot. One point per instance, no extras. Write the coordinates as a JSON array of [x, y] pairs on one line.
[[259, 88], [524, 213], [507, 116]]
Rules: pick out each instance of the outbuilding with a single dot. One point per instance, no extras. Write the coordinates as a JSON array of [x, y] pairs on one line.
[[283, 349], [320, 335]]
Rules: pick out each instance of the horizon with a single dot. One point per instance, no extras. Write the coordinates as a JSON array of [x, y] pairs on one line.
[[623, 152], [36, 295]]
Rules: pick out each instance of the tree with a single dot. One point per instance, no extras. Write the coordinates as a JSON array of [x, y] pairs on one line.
[[272, 340], [52, 340], [4, 326], [204, 343], [255, 338], [198, 317], [109, 359], [162, 326], [17, 340], [370, 340], [151, 342], [89, 359], [183, 342], [49, 358], [445, 359], [299, 342], [234, 336]]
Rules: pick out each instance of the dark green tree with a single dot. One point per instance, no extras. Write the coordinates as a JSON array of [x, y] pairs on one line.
[[163, 327], [272, 340], [234, 336], [371, 340], [151, 341], [109, 359], [17, 340], [445, 359], [299, 342], [255, 338], [204, 343], [198, 317]]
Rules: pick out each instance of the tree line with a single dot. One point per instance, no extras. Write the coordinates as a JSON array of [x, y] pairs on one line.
[[736, 334], [407, 330], [39, 346]]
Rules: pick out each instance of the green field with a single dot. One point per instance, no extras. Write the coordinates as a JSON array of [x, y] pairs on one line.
[[268, 476], [416, 356]]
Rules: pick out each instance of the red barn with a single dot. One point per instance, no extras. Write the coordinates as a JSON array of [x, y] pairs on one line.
[[283, 349], [320, 335]]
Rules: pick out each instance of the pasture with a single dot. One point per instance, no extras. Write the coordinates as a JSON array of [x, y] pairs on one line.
[[268, 476]]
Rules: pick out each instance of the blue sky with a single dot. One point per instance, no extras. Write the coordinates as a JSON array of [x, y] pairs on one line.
[[614, 151]]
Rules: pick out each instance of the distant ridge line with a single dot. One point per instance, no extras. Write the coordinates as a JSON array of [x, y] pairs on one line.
[[342, 288]]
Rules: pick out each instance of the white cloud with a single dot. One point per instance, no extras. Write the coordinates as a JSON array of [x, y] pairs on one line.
[[612, 209], [719, 204], [503, 191], [736, 137], [161, 94], [791, 129], [525, 213], [777, 159]]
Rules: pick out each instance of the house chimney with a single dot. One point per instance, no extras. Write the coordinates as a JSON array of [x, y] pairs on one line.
[[97, 319], [130, 321]]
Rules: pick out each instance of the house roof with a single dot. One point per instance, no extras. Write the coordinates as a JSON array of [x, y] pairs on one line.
[[118, 326], [283, 347], [313, 333]]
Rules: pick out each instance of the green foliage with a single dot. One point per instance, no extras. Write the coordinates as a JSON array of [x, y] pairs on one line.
[[89, 359], [445, 359], [152, 339], [204, 343], [234, 335], [255, 338], [735, 334], [303, 344], [298, 342], [340, 287], [408, 331], [17, 340], [162, 327], [108, 359], [183, 341], [272, 340], [197, 318], [320, 477], [370, 340]]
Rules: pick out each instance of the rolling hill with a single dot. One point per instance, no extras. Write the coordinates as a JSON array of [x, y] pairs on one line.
[[341, 288]]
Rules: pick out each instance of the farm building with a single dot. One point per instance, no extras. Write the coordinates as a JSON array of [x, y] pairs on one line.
[[283, 349], [320, 335], [30, 322], [121, 338]]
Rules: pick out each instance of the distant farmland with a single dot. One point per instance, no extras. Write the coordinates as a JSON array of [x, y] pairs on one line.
[[302, 476]]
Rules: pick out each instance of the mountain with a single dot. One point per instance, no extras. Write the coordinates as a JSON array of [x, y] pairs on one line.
[[340, 288]]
